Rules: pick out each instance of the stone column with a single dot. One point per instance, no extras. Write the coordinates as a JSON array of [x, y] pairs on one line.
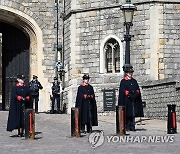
[[72, 72], [155, 17]]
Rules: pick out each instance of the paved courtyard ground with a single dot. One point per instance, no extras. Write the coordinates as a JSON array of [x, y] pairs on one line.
[[53, 137]]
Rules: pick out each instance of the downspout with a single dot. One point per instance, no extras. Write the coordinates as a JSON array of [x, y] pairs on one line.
[[56, 8], [62, 74]]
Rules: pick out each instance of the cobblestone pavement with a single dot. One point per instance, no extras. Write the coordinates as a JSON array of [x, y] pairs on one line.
[[53, 137]]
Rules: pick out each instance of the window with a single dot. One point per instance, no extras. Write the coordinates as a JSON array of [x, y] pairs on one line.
[[117, 59], [109, 59], [112, 56]]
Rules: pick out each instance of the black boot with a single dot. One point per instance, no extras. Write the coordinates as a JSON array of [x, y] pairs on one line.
[[89, 128], [83, 129], [59, 111], [52, 111], [19, 132], [22, 132], [127, 124], [132, 124], [132, 128], [127, 128]]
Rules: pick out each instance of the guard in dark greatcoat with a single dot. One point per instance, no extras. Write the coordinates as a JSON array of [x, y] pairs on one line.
[[85, 100], [130, 97], [20, 100]]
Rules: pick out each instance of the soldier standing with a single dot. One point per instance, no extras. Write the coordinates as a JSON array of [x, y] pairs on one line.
[[56, 89], [130, 97], [20, 99], [85, 100], [34, 86]]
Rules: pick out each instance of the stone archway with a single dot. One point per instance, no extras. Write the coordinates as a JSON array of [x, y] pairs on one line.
[[28, 25], [14, 59]]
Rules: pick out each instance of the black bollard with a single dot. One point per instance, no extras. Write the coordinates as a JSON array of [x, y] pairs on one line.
[[120, 120], [171, 124], [29, 124], [75, 122]]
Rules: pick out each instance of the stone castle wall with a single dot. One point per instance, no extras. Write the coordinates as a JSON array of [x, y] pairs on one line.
[[158, 94], [44, 15], [160, 42], [149, 46], [90, 30]]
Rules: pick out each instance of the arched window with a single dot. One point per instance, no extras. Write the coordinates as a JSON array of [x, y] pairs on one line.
[[108, 59], [112, 56], [117, 58]]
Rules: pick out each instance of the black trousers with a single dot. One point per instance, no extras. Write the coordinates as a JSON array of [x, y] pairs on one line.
[[35, 99], [57, 99], [130, 123]]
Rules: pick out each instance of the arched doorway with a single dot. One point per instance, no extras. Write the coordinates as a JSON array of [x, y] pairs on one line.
[[33, 27], [14, 59]]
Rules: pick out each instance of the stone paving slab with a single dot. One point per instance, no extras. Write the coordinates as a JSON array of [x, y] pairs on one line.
[[53, 137]]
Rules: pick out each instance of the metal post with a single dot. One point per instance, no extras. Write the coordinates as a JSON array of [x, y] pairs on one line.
[[29, 124], [75, 122], [171, 123], [128, 10], [127, 38], [120, 120]]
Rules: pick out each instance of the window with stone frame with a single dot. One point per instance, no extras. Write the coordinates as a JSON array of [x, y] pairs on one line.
[[117, 58], [109, 59], [112, 56]]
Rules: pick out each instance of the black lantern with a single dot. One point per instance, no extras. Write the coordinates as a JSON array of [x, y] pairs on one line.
[[128, 12]]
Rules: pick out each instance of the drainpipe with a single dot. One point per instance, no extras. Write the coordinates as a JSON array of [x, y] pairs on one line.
[[56, 7], [62, 51], [62, 70]]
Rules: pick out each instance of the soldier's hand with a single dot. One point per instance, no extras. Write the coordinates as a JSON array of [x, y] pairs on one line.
[[27, 98], [19, 98]]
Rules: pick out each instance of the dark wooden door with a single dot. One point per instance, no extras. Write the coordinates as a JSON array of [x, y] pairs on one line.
[[15, 59]]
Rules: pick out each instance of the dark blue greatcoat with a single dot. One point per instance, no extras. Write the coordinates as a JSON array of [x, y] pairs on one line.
[[87, 105], [16, 110], [130, 97]]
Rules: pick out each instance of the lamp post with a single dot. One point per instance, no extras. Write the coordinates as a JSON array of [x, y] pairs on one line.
[[128, 12]]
